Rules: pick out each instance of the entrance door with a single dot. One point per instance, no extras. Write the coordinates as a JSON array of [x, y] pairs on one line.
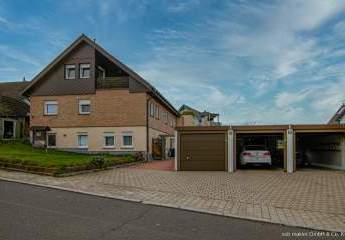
[[157, 148], [9, 129]]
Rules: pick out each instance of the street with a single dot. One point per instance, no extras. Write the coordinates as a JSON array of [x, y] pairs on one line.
[[30, 212]]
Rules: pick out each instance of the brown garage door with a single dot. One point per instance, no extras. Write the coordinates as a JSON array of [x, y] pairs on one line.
[[203, 151]]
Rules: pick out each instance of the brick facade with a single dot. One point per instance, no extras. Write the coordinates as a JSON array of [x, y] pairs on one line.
[[109, 108]]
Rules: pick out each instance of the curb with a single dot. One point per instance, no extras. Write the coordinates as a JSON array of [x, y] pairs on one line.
[[153, 203]]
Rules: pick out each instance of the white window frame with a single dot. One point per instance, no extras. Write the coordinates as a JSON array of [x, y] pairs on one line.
[[126, 134], [46, 103], [83, 66], [51, 133], [87, 140], [14, 128], [70, 66], [84, 102], [109, 134]]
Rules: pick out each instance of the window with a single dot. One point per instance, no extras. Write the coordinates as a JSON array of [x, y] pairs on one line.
[[109, 140], [165, 117], [70, 71], [172, 122], [84, 106], [84, 70], [152, 109], [156, 111], [50, 108], [82, 140], [51, 139], [127, 140]]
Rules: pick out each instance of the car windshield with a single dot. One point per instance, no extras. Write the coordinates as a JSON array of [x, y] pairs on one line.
[[255, 147]]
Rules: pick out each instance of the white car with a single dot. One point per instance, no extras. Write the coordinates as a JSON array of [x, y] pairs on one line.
[[255, 154]]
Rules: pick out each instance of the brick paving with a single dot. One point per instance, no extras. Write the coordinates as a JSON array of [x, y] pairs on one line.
[[166, 165], [313, 199]]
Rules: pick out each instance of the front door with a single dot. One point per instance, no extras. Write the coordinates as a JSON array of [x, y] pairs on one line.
[[9, 129], [157, 148]]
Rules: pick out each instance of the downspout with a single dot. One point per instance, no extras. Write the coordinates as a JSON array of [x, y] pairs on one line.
[[147, 128]]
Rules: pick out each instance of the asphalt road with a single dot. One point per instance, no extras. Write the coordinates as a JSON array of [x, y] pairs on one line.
[[29, 212]]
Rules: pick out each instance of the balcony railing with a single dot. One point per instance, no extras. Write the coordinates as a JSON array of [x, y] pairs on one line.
[[113, 82]]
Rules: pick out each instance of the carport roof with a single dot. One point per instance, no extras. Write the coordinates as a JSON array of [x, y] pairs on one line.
[[263, 128]]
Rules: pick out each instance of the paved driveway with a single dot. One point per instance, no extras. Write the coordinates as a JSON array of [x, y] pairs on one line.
[[314, 199]]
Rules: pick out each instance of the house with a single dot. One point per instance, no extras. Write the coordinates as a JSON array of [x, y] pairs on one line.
[[192, 117], [14, 111], [86, 100], [339, 116]]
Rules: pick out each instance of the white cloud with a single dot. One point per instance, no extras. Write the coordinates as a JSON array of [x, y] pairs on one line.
[[18, 55], [286, 99], [182, 5], [241, 56]]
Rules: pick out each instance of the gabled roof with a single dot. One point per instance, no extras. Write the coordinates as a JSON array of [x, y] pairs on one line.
[[130, 72], [12, 89], [12, 104], [338, 116], [13, 107]]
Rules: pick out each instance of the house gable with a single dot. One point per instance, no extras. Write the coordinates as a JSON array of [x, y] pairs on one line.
[[51, 80], [54, 82]]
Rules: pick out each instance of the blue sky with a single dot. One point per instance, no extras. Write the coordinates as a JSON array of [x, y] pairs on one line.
[[251, 61]]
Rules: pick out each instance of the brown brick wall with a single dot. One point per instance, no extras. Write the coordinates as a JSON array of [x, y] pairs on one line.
[[159, 124], [108, 108]]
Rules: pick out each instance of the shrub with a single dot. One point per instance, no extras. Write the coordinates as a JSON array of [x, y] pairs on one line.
[[139, 156], [98, 162]]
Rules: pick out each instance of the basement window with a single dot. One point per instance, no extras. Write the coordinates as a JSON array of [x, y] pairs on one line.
[[70, 71], [82, 140], [127, 140]]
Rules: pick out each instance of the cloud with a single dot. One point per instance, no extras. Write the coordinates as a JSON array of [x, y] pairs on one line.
[[286, 99], [182, 5], [256, 61], [18, 55]]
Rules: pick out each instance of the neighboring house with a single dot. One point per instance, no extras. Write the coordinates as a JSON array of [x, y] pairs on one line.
[[87, 100], [339, 116], [192, 117], [14, 111]]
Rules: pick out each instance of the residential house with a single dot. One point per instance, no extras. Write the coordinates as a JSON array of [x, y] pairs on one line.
[[14, 111], [87, 100], [339, 116], [192, 117]]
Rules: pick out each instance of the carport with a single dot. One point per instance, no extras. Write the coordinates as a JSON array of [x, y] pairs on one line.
[[319, 146], [218, 147], [273, 137]]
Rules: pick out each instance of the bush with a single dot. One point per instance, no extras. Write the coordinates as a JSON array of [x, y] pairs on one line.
[[139, 156], [98, 162]]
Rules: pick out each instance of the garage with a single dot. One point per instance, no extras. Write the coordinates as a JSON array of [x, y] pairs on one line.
[[290, 147], [252, 145], [202, 149], [252, 141], [319, 147]]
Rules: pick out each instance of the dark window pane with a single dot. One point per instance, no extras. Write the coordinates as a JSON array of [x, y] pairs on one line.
[[127, 140]]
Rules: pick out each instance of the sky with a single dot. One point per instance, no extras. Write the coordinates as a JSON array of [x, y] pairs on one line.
[[254, 62]]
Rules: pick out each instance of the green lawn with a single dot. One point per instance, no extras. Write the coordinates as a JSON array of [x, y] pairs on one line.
[[24, 154]]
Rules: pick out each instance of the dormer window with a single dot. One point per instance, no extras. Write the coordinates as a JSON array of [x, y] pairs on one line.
[[70, 71], [84, 70]]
